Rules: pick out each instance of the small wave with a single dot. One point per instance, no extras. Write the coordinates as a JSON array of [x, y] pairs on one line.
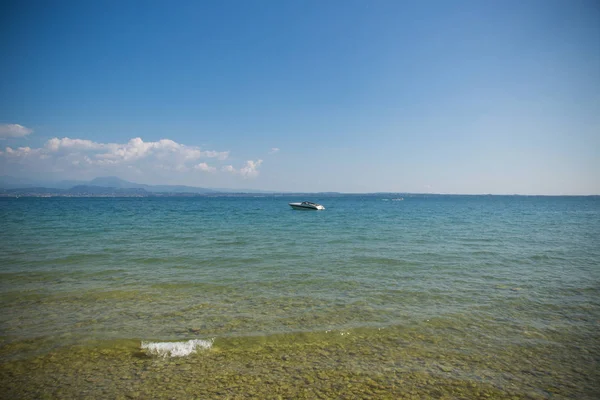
[[176, 349]]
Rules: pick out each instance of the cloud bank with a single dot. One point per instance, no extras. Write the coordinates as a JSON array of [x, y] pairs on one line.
[[249, 170], [204, 167], [13, 131], [86, 157]]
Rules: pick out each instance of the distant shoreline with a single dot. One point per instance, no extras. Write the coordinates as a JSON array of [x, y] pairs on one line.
[[120, 193]]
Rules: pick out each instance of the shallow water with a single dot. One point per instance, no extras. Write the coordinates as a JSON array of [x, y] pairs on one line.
[[432, 296]]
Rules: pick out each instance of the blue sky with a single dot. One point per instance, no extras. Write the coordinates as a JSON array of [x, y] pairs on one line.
[[351, 96]]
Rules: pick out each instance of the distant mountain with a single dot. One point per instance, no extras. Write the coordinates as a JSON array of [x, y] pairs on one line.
[[255, 191], [9, 182], [77, 191], [177, 189], [66, 184], [102, 190], [115, 182]]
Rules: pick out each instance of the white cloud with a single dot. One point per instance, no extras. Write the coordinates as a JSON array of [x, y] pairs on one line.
[[81, 158], [220, 155], [13, 131], [57, 144], [274, 150], [168, 153], [204, 167], [21, 152], [228, 168], [250, 170], [135, 149]]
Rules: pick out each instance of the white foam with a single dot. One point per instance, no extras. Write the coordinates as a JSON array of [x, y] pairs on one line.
[[176, 349]]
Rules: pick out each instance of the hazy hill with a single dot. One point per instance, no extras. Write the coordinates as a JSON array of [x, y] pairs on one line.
[[115, 182], [9, 182], [102, 190]]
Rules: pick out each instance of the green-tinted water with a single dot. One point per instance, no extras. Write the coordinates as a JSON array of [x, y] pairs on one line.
[[431, 296]]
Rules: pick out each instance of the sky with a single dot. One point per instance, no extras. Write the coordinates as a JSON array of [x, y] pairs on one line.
[[470, 97]]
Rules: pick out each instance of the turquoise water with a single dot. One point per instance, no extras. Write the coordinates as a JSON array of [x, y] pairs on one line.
[[513, 278]]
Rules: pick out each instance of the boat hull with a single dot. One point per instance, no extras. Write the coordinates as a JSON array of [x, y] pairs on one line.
[[300, 206]]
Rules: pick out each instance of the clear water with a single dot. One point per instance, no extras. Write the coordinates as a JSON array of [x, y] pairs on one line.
[[450, 295]]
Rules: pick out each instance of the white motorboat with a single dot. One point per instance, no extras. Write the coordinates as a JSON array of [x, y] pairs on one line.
[[306, 205]]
